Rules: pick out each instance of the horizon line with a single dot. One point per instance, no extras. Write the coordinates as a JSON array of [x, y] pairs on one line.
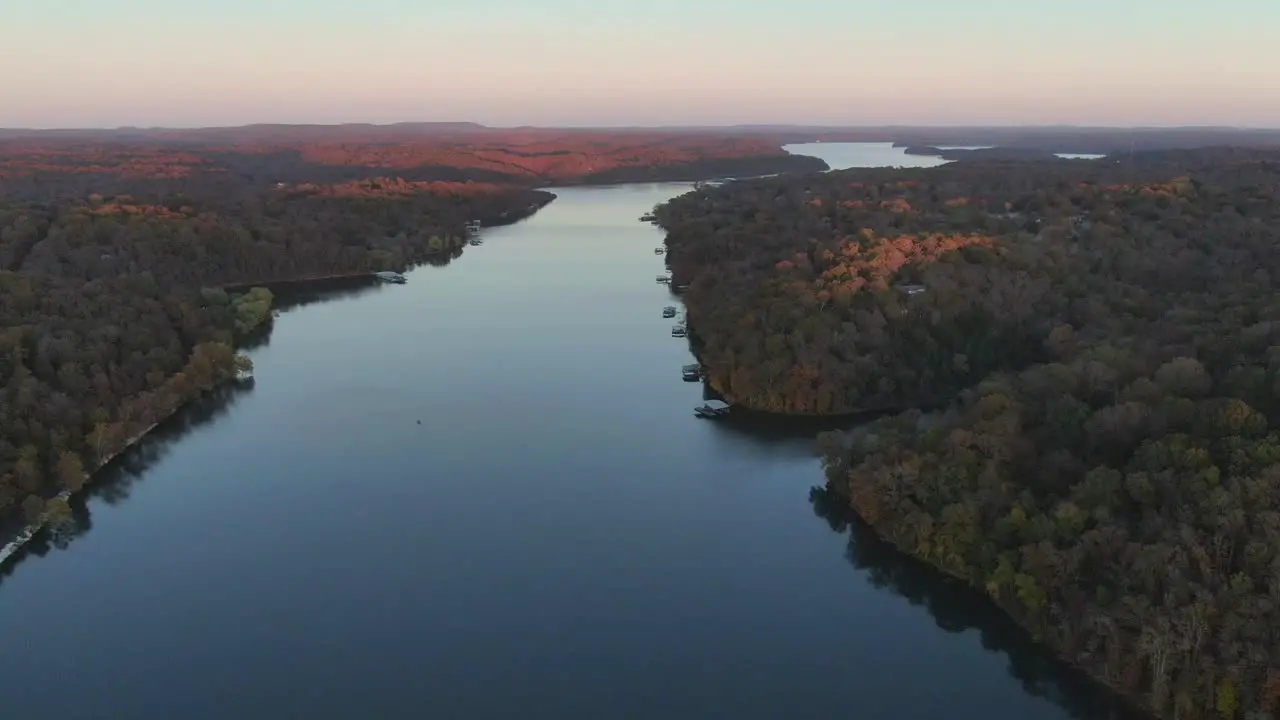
[[477, 126]]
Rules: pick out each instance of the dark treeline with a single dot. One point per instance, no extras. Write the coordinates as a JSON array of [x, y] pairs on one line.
[[111, 316], [1060, 138], [1109, 473], [992, 153]]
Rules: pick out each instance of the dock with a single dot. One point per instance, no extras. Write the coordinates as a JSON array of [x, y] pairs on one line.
[[390, 277], [692, 372], [669, 311], [678, 331], [659, 250], [712, 409], [664, 279]]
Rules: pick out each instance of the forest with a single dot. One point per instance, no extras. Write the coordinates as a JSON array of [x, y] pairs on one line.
[[1086, 357], [42, 165], [113, 313]]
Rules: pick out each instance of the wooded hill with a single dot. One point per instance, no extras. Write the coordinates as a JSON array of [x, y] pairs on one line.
[[111, 317], [1109, 473], [50, 165]]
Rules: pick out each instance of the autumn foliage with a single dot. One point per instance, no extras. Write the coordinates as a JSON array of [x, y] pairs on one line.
[[30, 167], [1102, 341]]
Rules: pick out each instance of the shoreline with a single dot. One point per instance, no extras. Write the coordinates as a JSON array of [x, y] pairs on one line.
[[11, 549], [756, 166], [269, 284], [499, 221], [28, 532], [1132, 702], [25, 533]]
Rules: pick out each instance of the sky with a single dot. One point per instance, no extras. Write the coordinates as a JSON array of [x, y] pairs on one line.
[[192, 63]]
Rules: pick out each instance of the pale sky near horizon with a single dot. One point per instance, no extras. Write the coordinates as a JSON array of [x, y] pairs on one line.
[[76, 63]]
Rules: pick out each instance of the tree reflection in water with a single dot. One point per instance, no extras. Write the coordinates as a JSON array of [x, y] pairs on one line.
[[955, 608], [113, 483]]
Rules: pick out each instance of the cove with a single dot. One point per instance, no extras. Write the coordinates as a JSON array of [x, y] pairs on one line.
[[559, 537]]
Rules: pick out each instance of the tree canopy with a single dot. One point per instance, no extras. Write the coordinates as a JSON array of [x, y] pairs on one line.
[[1104, 338]]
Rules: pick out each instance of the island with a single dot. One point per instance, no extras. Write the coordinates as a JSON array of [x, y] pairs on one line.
[[1080, 366], [134, 264]]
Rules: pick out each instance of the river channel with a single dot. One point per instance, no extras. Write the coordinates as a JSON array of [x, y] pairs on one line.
[[483, 494]]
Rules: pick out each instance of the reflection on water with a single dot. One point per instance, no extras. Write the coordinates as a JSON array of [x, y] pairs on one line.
[[296, 295], [957, 608], [770, 435], [114, 483]]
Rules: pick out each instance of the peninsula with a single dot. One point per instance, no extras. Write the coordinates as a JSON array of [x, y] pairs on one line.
[[1107, 333]]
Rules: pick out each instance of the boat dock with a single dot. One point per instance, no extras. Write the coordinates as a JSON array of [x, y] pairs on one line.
[[664, 279], [669, 311], [390, 277], [712, 409]]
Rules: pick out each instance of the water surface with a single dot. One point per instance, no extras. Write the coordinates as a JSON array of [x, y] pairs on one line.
[[483, 494], [845, 155]]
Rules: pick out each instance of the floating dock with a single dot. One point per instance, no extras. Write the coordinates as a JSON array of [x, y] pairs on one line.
[[391, 277], [664, 279], [678, 331], [712, 409], [669, 311]]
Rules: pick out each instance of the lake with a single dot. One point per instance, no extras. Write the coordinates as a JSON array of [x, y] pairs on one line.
[[842, 156], [483, 494]]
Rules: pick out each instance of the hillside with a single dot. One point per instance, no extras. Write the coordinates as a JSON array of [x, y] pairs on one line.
[[54, 163], [1104, 339]]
